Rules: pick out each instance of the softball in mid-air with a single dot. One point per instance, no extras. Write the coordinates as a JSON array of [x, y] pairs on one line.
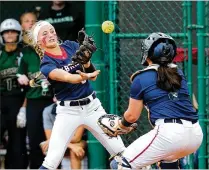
[[108, 27]]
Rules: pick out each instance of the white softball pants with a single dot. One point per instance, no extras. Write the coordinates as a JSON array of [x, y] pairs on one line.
[[166, 142], [67, 120]]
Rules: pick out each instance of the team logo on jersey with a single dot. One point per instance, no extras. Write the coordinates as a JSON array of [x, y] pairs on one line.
[[173, 96], [9, 72], [60, 20], [71, 68]]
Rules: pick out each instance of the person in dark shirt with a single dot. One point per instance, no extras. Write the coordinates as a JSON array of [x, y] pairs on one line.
[[163, 89], [37, 98], [77, 146], [12, 94], [66, 18]]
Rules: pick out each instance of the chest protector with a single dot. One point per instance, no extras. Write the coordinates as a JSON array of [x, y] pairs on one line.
[[150, 67]]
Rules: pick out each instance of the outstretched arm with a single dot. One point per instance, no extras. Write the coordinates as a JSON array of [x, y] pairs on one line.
[[63, 76]]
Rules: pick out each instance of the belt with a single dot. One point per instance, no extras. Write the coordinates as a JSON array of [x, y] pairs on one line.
[[80, 102], [178, 121]]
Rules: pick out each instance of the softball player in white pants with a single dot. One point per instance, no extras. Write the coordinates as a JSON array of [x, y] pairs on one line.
[[77, 103], [67, 120], [162, 88], [167, 142]]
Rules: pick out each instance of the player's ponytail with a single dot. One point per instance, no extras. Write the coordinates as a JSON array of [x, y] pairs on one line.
[[39, 51], [28, 39], [168, 78]]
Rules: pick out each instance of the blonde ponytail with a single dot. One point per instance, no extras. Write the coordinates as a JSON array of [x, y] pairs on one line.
[[29, 40], [39, 51]]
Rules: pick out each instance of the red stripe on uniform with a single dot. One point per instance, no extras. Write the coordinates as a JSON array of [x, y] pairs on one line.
[[146, 147]]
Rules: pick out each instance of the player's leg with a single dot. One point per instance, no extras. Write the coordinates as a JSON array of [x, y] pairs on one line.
[[76, 161], [34, 116], [94, 111], [66, 122], [161, 144], [16, 157]]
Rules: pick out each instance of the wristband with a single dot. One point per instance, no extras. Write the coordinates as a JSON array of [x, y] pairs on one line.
[[124, 122], [90, 69], [18, 75]]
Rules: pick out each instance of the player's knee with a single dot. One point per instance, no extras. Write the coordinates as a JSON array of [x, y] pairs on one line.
[[120, 163], [169, 165]]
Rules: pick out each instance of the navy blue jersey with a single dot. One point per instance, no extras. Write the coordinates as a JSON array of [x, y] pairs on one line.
[[65, 91], [161, 106]]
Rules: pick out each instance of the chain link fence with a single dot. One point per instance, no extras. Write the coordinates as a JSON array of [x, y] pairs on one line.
[[140, 18], [134, 21]]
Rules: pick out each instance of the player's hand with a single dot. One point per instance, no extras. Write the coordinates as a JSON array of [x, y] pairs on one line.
[[44, 146], [78, 150], [87, 76], [23, 79], [21, 118]]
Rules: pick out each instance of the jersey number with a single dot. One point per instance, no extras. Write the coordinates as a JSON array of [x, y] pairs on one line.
[[9, 84]]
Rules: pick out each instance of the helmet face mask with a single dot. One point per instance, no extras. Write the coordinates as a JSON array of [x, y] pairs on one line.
[[149, 44], [10, 25]]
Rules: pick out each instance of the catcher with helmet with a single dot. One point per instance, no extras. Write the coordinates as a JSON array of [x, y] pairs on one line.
[[162, 88]]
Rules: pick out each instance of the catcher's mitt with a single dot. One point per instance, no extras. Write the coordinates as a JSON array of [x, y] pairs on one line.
[[86, 49], [111, 126]]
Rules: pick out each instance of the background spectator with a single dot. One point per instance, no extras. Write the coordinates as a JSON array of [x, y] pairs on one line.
[[12, 94], [37, 99], [76, 148], [65, 17]]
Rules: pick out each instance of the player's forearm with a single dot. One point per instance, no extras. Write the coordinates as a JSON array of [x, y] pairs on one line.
[[75, 139], [70, 145], [89, 68], [25, 103], [63, 76]]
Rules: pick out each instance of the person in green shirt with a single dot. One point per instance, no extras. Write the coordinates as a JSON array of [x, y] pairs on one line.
[[37, 98], [12, 94]]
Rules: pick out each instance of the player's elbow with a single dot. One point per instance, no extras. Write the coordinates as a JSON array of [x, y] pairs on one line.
[[130, 117]]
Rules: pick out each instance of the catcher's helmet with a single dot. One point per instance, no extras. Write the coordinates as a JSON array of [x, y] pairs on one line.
[[10, 24], [159, 48]]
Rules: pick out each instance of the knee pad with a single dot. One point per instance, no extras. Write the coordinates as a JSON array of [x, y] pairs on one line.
[[169, 165], [120, 162]]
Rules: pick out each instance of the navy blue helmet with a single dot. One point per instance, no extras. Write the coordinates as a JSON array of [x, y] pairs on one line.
[[159, 48]]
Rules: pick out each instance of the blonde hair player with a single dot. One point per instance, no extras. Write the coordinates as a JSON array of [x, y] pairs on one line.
[[77, 102]]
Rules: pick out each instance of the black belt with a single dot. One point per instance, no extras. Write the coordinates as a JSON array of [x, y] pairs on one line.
[[81, 102], [178, 121]]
